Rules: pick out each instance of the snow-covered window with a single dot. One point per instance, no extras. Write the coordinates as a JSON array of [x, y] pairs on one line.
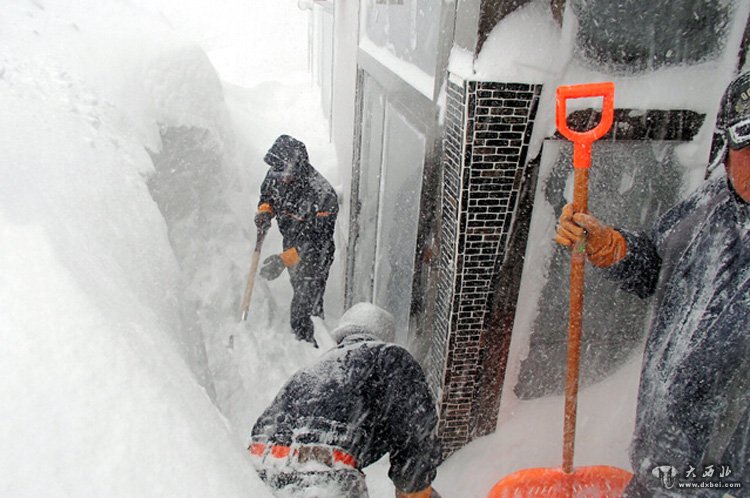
[[409, 29], [632, 182], [370, 160], [389, 185], [398, 219], [639, 35]]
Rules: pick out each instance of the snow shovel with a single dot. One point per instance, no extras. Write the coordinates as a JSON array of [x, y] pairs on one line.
[[598, 481], [253, 271]]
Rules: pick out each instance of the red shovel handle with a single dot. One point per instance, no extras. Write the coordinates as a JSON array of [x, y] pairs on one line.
[[584, 139]]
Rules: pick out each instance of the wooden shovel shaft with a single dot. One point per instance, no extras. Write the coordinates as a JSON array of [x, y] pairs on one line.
[[247, 295], [577, 267]]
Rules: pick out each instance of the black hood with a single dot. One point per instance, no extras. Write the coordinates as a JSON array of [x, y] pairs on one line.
[[288, 155]]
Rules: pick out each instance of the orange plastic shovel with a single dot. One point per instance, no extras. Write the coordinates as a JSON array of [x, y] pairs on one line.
[[598, 481]]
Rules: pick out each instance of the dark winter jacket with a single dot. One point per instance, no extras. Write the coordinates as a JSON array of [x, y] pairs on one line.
[[305, 209], [693, 398], [367, 398]]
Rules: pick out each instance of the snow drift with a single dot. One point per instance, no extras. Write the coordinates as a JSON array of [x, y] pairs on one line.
[[102, 391]]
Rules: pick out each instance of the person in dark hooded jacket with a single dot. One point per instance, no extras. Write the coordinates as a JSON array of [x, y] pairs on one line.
[[692, 413], [364, 398], [305, 206]]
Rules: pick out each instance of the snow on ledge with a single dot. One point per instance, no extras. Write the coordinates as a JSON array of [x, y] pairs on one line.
[[421, 81]]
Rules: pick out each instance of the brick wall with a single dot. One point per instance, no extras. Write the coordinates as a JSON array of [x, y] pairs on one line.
[[487, 131]]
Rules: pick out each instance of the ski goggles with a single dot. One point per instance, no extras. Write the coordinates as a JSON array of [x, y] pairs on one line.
[[735, 137], [738, 134]]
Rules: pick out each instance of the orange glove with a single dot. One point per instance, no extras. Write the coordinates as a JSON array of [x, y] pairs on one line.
[[290, 257], [605, 246]]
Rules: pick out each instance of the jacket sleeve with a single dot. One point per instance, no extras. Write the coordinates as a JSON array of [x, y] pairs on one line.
[[638, 271], [411, 420], [267, 191]]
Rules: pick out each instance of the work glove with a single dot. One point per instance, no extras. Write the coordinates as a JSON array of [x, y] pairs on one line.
[[605, 246], [263, 216], [427, 492], [272, 267]]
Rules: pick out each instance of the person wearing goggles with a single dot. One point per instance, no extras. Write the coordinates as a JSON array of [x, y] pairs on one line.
[[694, 392], [732, 138]]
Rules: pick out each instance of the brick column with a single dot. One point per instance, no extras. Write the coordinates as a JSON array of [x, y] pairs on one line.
[[487, 131]]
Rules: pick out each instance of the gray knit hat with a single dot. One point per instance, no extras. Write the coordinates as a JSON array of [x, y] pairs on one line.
[[368, 319]]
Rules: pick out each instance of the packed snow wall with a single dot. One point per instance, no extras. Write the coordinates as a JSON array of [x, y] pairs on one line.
[[101, 378]]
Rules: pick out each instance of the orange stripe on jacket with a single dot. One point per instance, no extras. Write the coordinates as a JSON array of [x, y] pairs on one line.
[[344, 458], [257, 449], [280, 451]]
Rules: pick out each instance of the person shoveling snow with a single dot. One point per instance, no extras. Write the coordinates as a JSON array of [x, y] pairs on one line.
[[364, 398]]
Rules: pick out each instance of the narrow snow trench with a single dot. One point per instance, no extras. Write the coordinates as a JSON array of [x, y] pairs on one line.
[[207, 190], [193, 188]]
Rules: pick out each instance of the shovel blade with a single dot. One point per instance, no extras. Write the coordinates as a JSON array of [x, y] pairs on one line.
[[599, 481]]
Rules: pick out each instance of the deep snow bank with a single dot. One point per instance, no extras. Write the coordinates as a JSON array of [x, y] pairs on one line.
[[100, 393]]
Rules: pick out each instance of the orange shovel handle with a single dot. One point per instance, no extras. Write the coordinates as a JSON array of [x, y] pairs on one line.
[[582, 140], [568, 482]]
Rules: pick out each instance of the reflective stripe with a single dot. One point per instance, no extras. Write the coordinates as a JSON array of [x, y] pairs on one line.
[[292, 215], [344, 458], [326, 455], [278, 451], [321, 214]]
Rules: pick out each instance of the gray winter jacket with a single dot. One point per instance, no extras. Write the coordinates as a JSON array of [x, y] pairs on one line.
[[364, 397], [693, 397]]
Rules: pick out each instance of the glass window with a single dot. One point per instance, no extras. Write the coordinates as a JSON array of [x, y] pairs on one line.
[[638, 35], [409, 30], [398, 218], [371, 152], [631, 183]]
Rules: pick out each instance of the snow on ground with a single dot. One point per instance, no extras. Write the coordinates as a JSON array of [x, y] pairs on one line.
[[530, 434], [132, 137]]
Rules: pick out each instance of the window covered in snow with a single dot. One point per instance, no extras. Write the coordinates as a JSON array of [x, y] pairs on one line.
[[373, 108], [631, 183], [401, 185], [386, 203], [409, 29], [639, 35]]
